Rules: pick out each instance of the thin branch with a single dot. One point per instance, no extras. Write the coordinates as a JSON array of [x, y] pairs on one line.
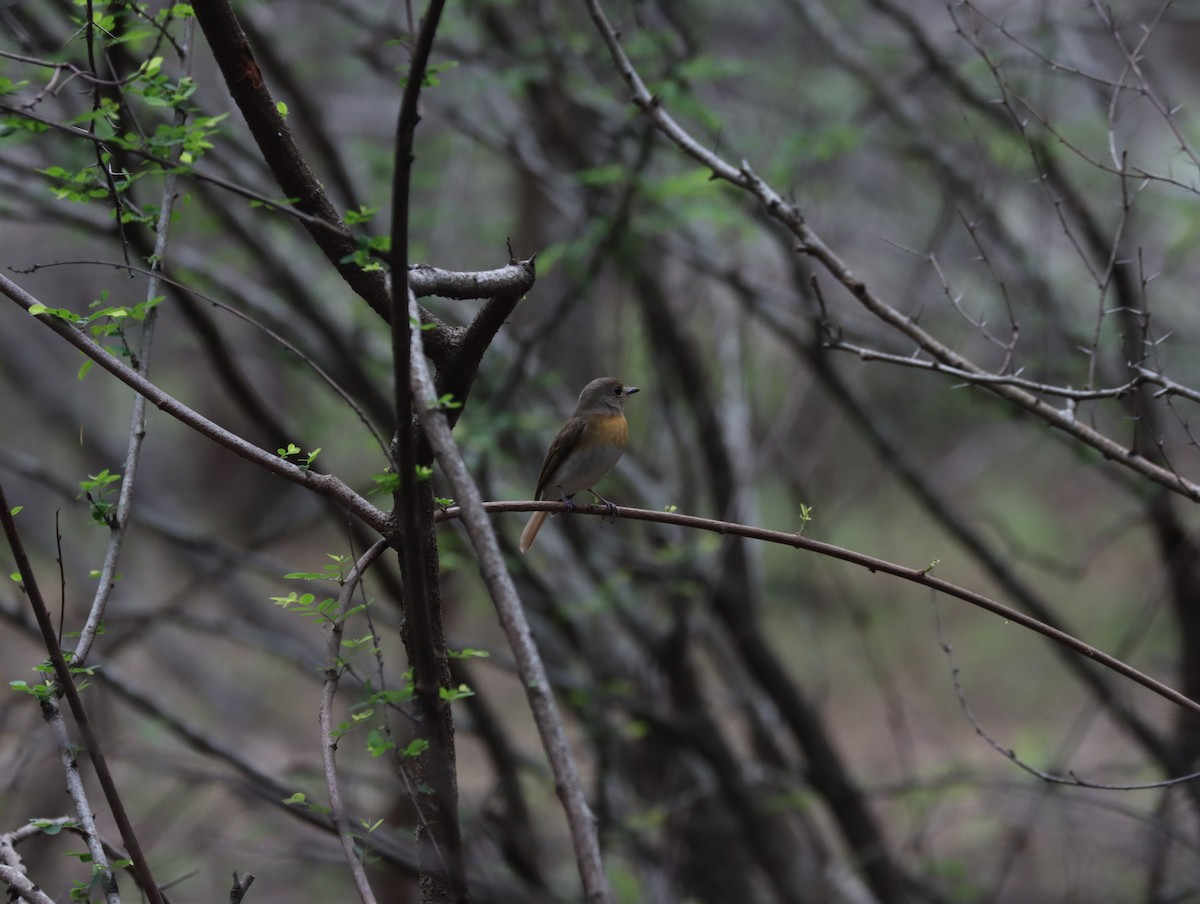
[[810, 243], [241, 885], [66, 686], [974, 378], [137, 427], [323, 484], [1011, 755], [922, 576], [76, 790], [272, 334], [282, 207], [333, 650], [1169, 387]]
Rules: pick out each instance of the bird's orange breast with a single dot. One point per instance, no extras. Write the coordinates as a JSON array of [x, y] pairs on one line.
[[608, 431]]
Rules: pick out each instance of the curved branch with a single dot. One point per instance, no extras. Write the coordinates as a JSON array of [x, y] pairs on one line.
[[514, 279], [920, 576]]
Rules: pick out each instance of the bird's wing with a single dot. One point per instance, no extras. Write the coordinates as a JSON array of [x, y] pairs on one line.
[[567, 439]]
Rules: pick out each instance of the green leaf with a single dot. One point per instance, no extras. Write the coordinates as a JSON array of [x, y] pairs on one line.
[[451, 694], [416, 748], [386, 482], [360, 216], [468, 653]]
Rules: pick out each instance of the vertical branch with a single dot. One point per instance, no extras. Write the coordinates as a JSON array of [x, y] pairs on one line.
[[137, 426], [333, 673], [442, 869], [516, 630], [67, 687]]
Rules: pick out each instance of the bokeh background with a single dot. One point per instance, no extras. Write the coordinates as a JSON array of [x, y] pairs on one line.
[[754, 723]]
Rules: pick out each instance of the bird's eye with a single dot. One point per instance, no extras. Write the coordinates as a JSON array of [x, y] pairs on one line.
[[616, 390]]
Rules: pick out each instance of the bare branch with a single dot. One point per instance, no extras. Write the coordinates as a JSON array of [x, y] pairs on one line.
[[922, 576]]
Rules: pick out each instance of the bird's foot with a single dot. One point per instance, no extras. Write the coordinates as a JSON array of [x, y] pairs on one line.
[[609, 508]]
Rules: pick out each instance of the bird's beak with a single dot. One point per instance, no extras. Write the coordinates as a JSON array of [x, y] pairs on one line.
[[630, 390]]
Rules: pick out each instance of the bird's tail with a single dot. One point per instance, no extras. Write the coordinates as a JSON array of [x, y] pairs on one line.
[[531, 529]]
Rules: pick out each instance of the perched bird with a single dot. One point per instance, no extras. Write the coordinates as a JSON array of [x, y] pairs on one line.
[[586, 448]]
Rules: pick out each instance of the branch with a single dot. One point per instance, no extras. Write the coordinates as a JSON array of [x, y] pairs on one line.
[[66, 686], [21, 888], [324, 484], [515, 279], [443, 871], [504, 594], [12, 867], [810, 243], [333, 659], [920, 576], [141, 363], [974, 378], [241, 885], [310, 222], [233, 55]]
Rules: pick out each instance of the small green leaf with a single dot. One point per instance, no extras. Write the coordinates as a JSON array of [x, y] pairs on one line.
[[451, 694], [468, 653], [416, 748]]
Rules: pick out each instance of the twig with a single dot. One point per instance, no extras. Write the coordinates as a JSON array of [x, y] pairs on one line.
[[281, 207], [974, 378], [1011, 755], [337, 809], [240, 887]]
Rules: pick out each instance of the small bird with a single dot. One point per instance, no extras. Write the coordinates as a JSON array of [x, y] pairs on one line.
[[586, 448]]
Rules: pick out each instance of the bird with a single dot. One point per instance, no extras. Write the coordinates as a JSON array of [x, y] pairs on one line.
[[587, 447]]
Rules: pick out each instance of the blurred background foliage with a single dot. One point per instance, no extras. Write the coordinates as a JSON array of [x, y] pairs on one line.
[[755, 723]]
